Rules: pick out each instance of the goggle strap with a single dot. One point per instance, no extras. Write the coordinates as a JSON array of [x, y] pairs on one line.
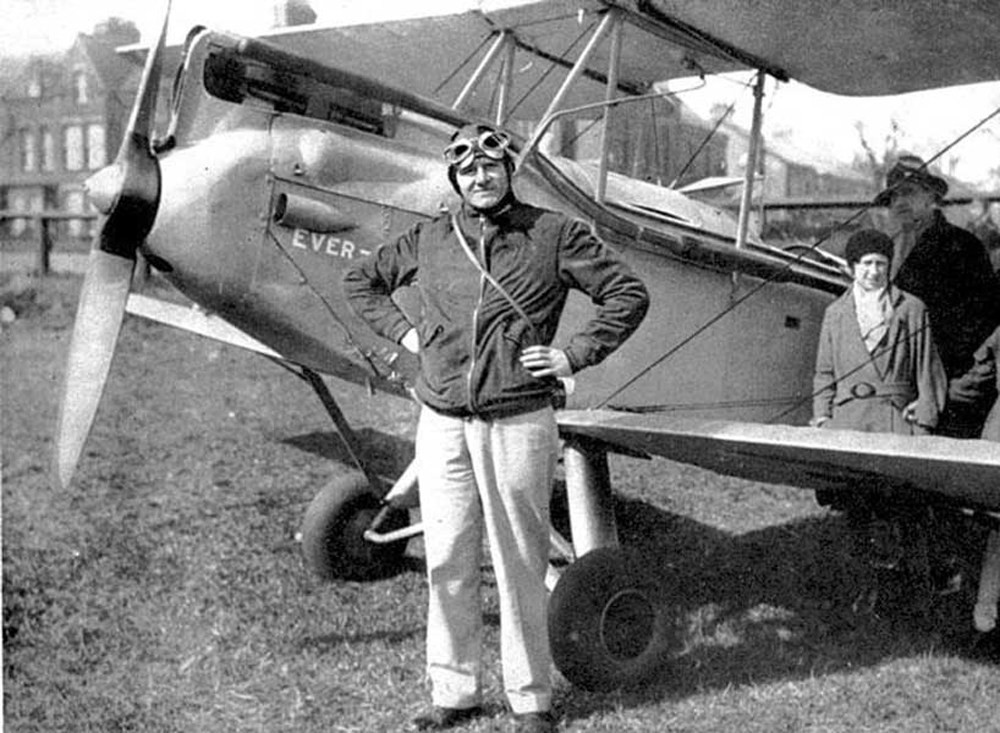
[[490, 143]]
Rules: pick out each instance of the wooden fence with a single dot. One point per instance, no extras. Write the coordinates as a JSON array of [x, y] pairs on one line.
[[45, 220]]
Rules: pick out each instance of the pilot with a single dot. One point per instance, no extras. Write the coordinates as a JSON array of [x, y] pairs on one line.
[[949, 270], [877, 368], [493, 275]]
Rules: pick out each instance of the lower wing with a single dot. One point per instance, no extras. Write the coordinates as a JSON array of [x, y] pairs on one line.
[[963, 472]]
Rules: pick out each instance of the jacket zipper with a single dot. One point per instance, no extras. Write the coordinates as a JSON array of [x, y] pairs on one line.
[[475, 313]]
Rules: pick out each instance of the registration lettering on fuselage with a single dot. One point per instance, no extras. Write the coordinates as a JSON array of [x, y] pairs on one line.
[[327, 244]]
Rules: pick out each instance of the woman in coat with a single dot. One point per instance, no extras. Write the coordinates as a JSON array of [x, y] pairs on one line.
[[877, 369]]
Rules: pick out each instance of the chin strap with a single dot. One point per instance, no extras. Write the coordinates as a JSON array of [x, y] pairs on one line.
[[564, 385], [467, 248]]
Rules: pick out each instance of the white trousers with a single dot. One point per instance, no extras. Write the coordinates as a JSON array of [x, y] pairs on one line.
[[492, 475]]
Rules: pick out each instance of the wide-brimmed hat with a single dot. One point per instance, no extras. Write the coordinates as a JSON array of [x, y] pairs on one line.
[[910, 168]]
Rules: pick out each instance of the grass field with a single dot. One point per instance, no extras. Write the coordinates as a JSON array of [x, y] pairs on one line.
[[165, 590]]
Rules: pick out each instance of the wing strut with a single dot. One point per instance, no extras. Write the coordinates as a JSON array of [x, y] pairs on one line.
[[614, 65], [607, 22], [746, 200], [506, 78], [489, 59]]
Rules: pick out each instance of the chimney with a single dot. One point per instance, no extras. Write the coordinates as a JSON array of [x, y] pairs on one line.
[[293, 12]]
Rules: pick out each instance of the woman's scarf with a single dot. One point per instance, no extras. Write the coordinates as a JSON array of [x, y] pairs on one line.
[[874, 310]]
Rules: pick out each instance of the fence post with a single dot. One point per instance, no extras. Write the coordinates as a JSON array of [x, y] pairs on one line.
[[45, 245]]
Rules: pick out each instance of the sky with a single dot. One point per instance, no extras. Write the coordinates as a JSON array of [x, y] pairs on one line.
[[46, 25], [820, 124], [826, 125]]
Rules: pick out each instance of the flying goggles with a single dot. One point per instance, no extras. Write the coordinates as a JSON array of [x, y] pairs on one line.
[[492, 144]]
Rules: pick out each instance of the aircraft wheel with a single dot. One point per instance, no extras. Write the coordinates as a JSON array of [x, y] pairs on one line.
[[604, 629], [333, 542]]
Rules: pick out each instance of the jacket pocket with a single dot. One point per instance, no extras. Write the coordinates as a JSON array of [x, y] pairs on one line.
[[430, 333]]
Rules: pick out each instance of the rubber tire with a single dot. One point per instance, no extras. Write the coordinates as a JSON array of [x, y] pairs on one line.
[[590, 646], [333, 542]]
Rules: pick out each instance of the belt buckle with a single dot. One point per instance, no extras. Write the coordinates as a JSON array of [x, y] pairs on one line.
[[863, 390]]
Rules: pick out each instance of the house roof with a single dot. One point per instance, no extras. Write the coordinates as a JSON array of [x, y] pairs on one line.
[[111, 69]]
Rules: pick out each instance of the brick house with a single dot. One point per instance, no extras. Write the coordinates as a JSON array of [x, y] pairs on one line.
[[61, 119]]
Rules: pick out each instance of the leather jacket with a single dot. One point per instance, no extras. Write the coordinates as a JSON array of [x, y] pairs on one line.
[[471, 336]]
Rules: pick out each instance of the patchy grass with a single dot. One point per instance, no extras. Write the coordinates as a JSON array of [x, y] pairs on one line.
[[165, 591]]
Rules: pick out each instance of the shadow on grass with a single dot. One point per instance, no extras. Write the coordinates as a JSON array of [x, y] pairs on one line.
[[387, 454], [782, 603]]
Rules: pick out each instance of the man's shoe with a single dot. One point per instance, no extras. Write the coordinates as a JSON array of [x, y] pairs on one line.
[[534, 723], [438, 718]]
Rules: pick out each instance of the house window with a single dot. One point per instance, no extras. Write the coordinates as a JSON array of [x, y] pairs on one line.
[[35, 84], [18, 202], [73, 149], [80, 95], [48, 150], [76, 203], [29, 150], [96, 153]]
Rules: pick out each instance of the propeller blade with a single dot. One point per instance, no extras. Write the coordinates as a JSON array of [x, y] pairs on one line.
[[137, 171], [95, 331], [130, 196], [143, 118]]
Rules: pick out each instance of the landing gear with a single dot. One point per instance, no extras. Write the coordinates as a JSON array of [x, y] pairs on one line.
[[333, 532], [350, 531], [605, 630]]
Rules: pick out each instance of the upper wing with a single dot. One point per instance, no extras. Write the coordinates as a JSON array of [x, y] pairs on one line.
[[966, 472], [434, 56], [854, 47]]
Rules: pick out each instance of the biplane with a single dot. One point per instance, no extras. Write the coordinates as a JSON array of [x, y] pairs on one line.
[[287, 157]]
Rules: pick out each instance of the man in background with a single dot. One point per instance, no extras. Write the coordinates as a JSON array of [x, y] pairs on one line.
[[947, 268]]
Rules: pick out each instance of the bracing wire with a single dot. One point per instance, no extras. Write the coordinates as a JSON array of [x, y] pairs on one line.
[[454, 72], [708, 137], [551, 68], [879, 351]]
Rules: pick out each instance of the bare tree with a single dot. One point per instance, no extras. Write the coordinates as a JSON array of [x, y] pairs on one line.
[[116, 31], [873, 161]]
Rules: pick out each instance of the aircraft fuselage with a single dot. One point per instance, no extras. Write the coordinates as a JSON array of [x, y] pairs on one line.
[[278, 181]]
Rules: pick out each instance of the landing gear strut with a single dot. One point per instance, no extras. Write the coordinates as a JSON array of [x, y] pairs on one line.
[[605, 629], [353, 529], [333, 532]]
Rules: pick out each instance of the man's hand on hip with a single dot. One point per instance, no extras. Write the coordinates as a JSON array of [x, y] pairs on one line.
[[546, 361]]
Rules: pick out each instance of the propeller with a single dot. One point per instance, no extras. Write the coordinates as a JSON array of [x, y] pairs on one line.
[[127, 195]]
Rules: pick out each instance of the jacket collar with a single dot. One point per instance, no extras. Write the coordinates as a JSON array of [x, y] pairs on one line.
[[847, 299]]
